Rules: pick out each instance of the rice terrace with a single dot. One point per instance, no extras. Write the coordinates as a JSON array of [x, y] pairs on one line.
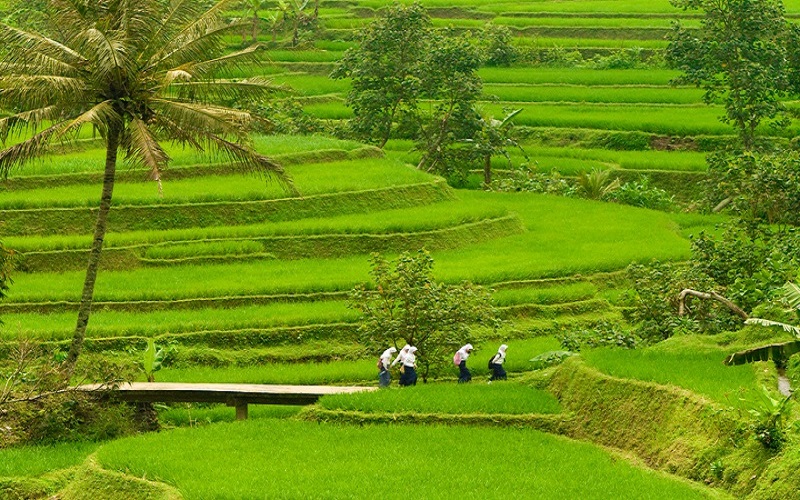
[[339, 249]]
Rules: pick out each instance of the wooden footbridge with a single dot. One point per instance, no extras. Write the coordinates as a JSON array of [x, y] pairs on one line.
[[236, 395]]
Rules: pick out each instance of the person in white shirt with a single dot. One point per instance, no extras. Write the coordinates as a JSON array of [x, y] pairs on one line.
[[461, 360], [496, 364], [409, 368], [384, 377], [401, 355]]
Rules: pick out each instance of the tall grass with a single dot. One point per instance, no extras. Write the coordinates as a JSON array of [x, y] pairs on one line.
[[701, 372], [272, 458], [593, 22], [684, 161], [316, 373], [32, 461], [91, 159], [405, 220], [593, 94], [450, 398], [665, 119], [308, 179], [59, 326], [578, 76], [601, 237]]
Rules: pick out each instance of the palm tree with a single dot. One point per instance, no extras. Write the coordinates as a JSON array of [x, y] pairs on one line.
[[137, 72]]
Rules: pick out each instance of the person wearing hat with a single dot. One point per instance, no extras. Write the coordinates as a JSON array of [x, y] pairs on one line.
[[409, 368], [496, 364], [384, 377], [461, 360]]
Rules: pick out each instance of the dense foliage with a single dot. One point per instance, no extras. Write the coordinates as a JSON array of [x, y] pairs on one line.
[[407, 306]]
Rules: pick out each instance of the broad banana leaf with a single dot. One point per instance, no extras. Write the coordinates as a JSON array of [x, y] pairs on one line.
[[773, 351]]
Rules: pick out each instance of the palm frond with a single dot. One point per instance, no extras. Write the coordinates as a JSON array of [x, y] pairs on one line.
[[36, 46], [27, 121], [505, 121], [768, 323], [142, 147], [251, 89], [109, 56], [206, 26], [197, 48], [35, 91], [28, 150], [249, 54], [101, 115], [792, 295], [199, 116]]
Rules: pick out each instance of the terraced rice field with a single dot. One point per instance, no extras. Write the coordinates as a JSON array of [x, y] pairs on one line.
[[246, 281]]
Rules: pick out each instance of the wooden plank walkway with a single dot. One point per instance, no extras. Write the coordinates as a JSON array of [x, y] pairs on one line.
[[236, 395]]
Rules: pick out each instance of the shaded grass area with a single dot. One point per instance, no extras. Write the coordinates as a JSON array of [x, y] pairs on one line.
[[531, 462], [476, 397], [596, 94]]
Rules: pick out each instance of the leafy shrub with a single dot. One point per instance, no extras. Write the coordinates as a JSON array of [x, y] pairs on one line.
[[641, 194], [619, 59], [603, 335], [531, 181], [750, 268], [769, 420], [654, 302], [497, 48], [550, 358], [37, 410]]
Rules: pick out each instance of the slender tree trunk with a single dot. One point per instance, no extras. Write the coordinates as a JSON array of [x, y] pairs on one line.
[[94, 254], [487, 170], [256, 20]]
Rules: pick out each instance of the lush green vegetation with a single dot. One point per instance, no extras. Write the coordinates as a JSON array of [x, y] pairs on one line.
[[480, 397], [364, 451], [242, 281]]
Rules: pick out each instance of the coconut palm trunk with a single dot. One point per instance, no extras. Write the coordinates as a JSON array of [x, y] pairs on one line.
[[95, 252]]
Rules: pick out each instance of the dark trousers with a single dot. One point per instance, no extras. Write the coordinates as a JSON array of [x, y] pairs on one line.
[[409, 376], [498, 372], [463, 373], [384, 378]]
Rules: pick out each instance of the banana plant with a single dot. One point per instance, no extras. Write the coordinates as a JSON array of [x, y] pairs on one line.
[[152, 359], [779, 352]]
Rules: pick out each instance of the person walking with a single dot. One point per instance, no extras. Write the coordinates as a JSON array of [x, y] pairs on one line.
[[401, 355], [408, 369], [496, 364], [461, 360], [384, 362]]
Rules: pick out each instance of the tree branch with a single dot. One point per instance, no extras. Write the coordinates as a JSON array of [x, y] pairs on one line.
[[709, 296]]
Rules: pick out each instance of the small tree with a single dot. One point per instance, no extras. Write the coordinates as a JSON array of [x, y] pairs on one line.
[[408, 306], [739, 56], [386, 71], [452, 84]]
